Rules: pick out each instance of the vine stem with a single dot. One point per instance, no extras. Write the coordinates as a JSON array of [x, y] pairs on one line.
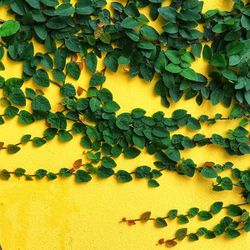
[[166, 217]]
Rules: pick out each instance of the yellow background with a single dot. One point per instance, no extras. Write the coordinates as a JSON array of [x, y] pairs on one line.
[[63, 215]]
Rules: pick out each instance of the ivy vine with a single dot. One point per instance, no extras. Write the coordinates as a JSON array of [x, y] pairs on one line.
[[89, 33]]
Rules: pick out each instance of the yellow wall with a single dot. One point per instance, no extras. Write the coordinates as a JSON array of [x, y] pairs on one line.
[[58, 215]]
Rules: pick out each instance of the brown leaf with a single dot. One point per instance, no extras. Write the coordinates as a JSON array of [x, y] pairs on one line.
[[126, 68], [161, 241], [47, 125], [72, 170], [77, 164], [1, 145], [98, 32], [74, 58], [79, 91], [131, 222], [59, 107], [103, 70], [208, 164], [171, 243], [39, 92], [145, 216], [101, 24], [80, 65]]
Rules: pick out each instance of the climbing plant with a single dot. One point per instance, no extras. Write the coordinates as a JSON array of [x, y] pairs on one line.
[[87, 33]]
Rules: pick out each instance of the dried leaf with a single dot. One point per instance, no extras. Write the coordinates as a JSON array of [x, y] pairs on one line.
[[126, 68], [171, 243], [80, 65], [145, 216], [161, 241], [208, 164], [74, 58], [77, 164], [131, 222]]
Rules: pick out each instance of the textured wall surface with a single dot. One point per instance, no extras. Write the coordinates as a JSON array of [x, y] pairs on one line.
[[63, 215]]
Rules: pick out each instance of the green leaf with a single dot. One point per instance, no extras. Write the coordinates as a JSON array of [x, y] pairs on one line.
[[40, 103], [245, 22], [19, 172], [232, 233], [51, 176], [25, 117], [173, 68], [108, 162], [129, 23], [123, 121], [226, 183], [216, 207], [205, 215], [196, 49], [234, 210], [172, 214], [17, 97], [4, 174], [64, 136], [97, 79], [41, 173], [181, 233], [57, 120], [34, 3], [111, 106], [189, 74], [38, 142], [153, 183], [9, 28], [168, 13], [65, 172], [192, 212], [182, 219], [41, 31], [193, 123], [12, 149], [25, 139], [131, 152], [49, 133], [218, 61], [10, 112], [193, 237], [110, 62], [68, 90], [123, 60], [73, 70], [149, 33], [105, 172], [160, 222], [91, 62], [94, 104], [179, 114], [84, 7], [142, 172], [72, 44], [173, 56], [173, 154], [65, 10], [160, 132], [41, 78], [207, 53], [123, 176], [208, 172], [82, 176]]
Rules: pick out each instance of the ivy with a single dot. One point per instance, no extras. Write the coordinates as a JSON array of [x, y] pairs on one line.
[[89, 34]]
